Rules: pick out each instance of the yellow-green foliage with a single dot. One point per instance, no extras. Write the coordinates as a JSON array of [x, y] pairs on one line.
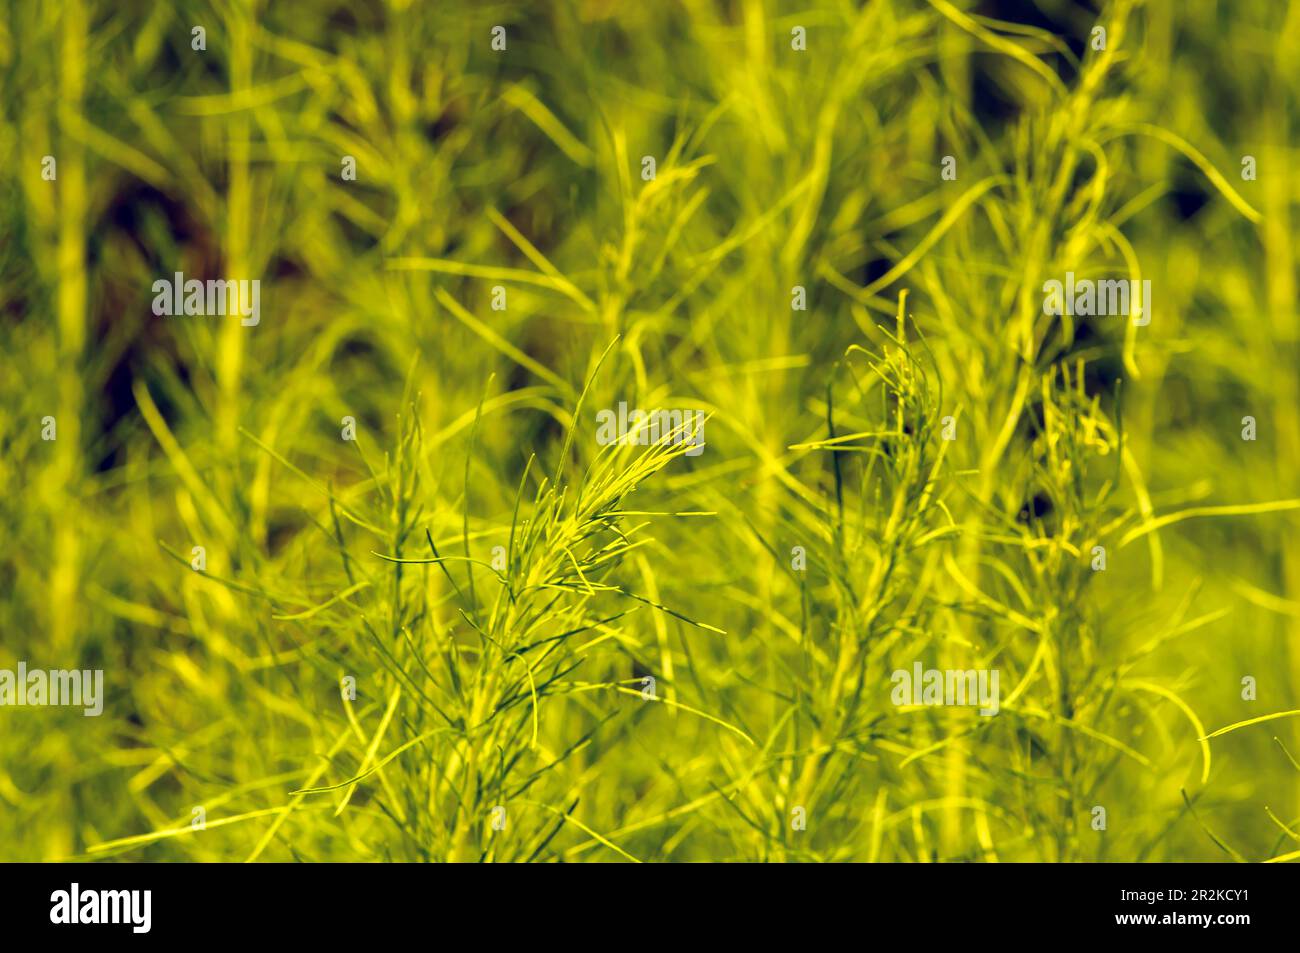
[[568, 651]]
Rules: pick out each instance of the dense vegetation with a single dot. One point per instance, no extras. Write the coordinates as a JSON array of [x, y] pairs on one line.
[[436, 640]]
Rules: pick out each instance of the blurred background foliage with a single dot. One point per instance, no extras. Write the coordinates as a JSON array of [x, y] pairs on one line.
[[776, 168]]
